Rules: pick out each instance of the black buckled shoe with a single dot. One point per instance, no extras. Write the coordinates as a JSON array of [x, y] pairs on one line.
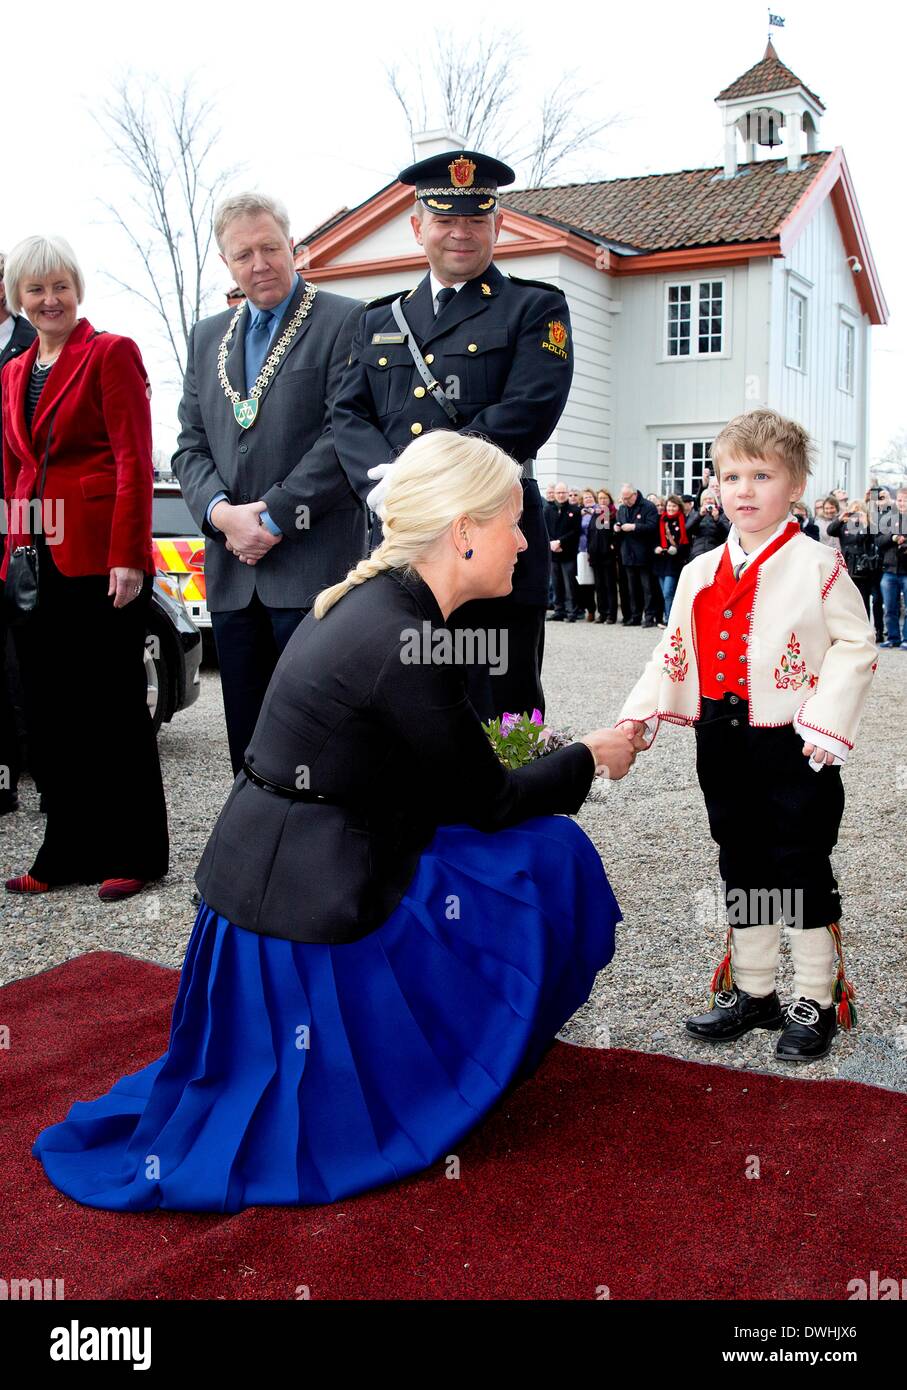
[[808, 1031], [734, 1014]]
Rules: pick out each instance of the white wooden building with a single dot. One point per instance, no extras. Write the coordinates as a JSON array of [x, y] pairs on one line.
[[693, 295]]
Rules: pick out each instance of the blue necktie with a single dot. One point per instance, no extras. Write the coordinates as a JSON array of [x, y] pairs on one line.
[[259, 339]]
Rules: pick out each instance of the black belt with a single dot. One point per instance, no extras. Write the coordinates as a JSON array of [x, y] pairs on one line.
[[291, 793], [730, 706]]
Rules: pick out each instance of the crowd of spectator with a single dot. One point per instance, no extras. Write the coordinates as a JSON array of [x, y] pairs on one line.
[[620, 560]]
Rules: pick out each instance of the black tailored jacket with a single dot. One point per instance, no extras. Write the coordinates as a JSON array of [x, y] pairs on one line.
[[502, 350], [638, 547], [22, 336], [565, 524], [396, 743]]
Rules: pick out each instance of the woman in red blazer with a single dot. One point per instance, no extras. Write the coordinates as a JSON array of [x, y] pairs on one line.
[[77, 483]]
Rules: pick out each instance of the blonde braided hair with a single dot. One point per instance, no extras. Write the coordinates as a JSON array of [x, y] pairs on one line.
[[437, 478]]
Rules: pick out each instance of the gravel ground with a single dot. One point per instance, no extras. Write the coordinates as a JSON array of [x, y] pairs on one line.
[[651, 830]]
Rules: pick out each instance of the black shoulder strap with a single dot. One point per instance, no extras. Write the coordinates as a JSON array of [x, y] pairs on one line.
[[50, 428], [50, 435], [432, 386]]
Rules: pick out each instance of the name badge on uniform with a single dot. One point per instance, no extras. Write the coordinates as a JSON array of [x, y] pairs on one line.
[[388, 338]]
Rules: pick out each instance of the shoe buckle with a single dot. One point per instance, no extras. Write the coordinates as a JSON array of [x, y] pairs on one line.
[[726, 998], [801, 1011]]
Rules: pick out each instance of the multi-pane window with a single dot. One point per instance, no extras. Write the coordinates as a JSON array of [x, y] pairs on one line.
[[846, 346], [679, 300], [843, 471], [796, 329], [695, 318], [711, 315], [683, 462]]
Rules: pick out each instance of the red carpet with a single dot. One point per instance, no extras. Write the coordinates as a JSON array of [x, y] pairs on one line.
[[610, 1168]]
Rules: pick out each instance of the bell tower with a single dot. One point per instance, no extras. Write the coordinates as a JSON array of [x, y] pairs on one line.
[[765, 108]]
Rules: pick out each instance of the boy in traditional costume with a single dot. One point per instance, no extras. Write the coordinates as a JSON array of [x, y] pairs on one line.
[[769, 656]]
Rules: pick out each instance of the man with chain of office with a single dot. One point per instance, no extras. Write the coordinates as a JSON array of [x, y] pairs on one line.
[[473, 350], [255, 456]]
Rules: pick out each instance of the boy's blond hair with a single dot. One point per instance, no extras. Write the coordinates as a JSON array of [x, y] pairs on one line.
[[767, 435]]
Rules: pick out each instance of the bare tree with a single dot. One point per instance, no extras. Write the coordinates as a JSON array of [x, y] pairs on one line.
[[165, 139], [892, 462], [559, 134], [471, 88]]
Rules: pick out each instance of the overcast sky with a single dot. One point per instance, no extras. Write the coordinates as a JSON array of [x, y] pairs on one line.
[[306, 108]]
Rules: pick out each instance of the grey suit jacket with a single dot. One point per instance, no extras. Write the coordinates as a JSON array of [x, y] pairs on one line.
[[286, 459]]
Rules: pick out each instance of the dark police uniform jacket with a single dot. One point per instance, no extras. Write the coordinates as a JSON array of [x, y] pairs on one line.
[[399, 749], [501, 349]]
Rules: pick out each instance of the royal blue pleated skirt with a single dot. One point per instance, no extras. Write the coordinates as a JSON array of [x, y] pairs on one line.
[[301, 1073]]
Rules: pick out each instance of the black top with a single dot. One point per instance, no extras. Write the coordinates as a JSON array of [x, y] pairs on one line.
[[396, 742], [35, 386]]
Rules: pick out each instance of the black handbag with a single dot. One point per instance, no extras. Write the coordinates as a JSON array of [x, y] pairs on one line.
[[23, 575]]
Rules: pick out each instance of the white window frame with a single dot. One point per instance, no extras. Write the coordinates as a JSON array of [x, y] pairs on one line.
[[694, 286], [844, 459], [847, 330], [797, 288], [690, 485]]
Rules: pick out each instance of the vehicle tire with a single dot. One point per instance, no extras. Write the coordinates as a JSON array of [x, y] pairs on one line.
[[157, 673]]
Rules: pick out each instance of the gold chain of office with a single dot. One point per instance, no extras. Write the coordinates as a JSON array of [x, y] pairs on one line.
[[246, 411]]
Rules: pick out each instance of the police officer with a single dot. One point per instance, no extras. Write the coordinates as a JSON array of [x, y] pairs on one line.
[[473, 350]]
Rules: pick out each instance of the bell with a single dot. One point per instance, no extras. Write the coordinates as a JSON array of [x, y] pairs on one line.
[[763, 127]]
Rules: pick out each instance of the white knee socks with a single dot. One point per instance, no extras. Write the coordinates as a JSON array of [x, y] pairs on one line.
[[754, 958], [813, 955]]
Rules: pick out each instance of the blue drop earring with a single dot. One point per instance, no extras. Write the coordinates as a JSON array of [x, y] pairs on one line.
[[467, 555]]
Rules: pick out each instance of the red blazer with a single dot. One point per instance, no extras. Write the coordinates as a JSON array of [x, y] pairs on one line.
[[100, 476]]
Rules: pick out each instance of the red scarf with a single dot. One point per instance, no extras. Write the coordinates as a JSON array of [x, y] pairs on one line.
[[668, 539]]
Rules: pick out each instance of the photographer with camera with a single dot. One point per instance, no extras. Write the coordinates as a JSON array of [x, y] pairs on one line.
[[893, 555], [861, 555], [708, 527]]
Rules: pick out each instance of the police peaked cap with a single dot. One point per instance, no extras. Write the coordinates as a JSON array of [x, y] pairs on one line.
[[458, 183]]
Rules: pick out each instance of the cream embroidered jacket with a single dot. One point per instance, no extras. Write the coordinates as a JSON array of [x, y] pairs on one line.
[[810, 646]]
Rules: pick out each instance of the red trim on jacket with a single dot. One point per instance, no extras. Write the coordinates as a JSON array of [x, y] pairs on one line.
[[721, 615]]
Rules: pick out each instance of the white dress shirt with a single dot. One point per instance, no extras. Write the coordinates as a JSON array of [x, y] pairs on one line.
[[736, 552], [436, 285]]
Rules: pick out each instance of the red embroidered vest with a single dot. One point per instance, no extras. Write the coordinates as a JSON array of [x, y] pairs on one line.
[[721, 623]]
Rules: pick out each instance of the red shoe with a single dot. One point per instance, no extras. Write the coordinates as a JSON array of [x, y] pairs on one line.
[[24, 883], [112, 890]]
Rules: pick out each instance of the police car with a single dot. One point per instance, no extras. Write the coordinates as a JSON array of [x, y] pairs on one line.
[[179, 550], [173, 654], [173, 642]]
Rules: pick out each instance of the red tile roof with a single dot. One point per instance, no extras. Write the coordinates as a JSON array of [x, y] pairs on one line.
[[661, 212], [768, 75]]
